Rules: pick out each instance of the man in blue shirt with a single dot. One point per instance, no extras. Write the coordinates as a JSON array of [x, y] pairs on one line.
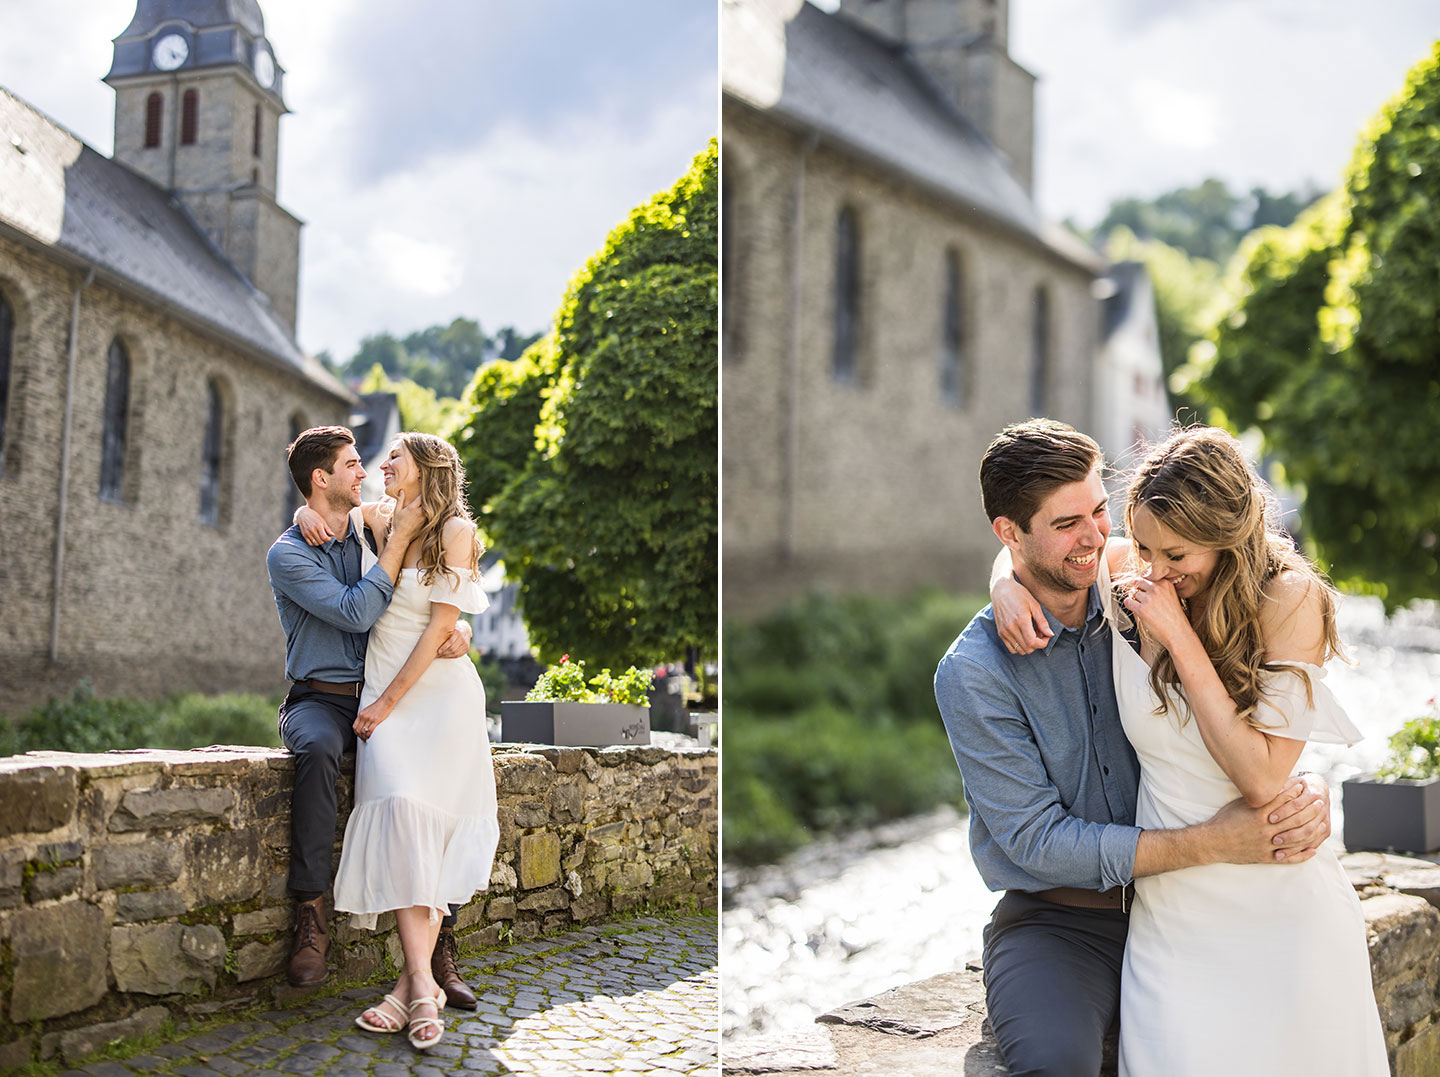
[[1051, 780], [327, 605]]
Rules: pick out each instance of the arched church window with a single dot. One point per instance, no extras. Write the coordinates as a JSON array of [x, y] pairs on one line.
[[953, 372], [845, 362], [154, 114], [1039, 350], [211, 453], [189, 117], [7, 343], [255, 134], [117, 411]]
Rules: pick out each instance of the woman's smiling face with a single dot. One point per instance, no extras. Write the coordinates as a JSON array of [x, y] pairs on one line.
[[1187, 565], [400, 472]]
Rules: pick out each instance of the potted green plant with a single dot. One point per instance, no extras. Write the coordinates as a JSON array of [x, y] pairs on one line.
[[1398, 807], [570, 709]]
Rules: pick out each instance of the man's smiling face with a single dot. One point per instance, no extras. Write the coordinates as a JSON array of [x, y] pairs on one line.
[[342, 487], [1062, 549]]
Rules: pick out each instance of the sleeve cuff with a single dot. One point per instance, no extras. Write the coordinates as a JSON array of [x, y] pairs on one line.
[[381, 579], [1117, 855]]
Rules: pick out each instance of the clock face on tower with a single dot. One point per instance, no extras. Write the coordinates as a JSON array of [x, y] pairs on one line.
[[171, 51], [264, 67]]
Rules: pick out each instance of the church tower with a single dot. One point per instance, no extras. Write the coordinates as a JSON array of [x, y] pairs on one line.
[[198, 101], [963, 46]]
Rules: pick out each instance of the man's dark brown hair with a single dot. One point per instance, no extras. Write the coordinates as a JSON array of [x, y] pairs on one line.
[[316, 447], [1029, 461]]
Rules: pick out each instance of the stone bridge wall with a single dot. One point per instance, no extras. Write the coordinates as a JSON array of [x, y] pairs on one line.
[[146, 885]]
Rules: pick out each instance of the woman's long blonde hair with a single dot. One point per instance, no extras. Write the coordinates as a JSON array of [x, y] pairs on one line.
[[1199, 486], [442, 495]]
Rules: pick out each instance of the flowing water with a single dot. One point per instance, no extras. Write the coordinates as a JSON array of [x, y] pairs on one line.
[[846, 918]]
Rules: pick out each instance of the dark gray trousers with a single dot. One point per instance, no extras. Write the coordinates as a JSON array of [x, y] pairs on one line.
[[1052, 983], [318, 728]]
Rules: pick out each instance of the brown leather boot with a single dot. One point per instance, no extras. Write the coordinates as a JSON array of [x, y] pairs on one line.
[[442, 967], [311, 944]]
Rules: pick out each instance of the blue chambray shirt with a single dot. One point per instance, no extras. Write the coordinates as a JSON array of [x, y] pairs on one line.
[[326, 606], [1049, 776]]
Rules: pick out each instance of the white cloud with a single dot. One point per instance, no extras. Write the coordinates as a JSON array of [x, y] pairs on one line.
[[413, 266], [1186, 118], [490, 226]]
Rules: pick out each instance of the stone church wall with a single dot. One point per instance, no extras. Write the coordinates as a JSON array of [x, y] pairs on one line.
[[152, 600], [884, 495], [140, 886]]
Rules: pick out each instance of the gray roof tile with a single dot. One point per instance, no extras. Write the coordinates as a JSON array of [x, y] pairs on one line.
[[823, 73]]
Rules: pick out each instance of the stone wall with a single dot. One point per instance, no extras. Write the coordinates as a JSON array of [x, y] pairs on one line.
[[146, 885], [882, 494], [939, 1026], [151, 600]]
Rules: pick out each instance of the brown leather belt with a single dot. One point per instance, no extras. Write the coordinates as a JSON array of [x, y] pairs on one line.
[[343, 688], [1119, 897]]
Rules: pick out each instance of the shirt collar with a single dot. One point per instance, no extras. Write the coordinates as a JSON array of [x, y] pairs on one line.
[[1093, 609]]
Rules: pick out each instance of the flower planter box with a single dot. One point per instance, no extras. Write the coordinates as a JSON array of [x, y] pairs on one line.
[[578, 725], [1403, 815]]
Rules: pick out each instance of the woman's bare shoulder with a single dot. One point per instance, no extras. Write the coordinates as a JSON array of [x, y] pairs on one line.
[[459, 538], [1292, 618]]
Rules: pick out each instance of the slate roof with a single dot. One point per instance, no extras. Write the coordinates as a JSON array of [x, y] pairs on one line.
[[58, 193], [823, 73], [198, 13]]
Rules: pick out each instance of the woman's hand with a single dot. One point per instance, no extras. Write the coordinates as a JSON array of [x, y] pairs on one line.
[[1019, 619], [312, 527], [1156, 605], [371, 716]]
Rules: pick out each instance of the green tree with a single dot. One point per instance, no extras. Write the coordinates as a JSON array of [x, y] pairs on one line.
[[1206, 221], [442, 358], [1332, 349], [420, 408], [610, 525]]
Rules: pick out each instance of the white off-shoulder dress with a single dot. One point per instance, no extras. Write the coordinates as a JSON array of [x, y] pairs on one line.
[[1238, 968], [424, 828]]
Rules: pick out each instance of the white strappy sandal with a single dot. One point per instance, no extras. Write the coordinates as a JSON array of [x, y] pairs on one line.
[[417, 1023], [393, 1022]]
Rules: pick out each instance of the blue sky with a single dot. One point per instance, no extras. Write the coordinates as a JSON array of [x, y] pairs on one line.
[[449, 157]]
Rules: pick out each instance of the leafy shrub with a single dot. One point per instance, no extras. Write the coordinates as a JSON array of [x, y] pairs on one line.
[[1414, 750], [567, 683], [82, 722], [830, 717], [826, 770]]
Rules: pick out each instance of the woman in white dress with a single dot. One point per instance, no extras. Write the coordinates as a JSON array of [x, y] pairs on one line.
[[1219, 680], [423, 833]]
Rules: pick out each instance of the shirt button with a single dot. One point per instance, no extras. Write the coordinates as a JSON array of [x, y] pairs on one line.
[[1105, 769], [1094, 709]]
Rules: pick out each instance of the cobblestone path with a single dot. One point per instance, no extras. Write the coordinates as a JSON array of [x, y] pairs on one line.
[[639, 996]]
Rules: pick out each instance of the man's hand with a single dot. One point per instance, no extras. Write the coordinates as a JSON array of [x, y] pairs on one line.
[[1240, 834], [1019, 619], [457, 643], [406, 521]]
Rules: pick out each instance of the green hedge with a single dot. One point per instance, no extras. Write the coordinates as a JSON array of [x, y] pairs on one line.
[[830, 718], [81, 722]]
